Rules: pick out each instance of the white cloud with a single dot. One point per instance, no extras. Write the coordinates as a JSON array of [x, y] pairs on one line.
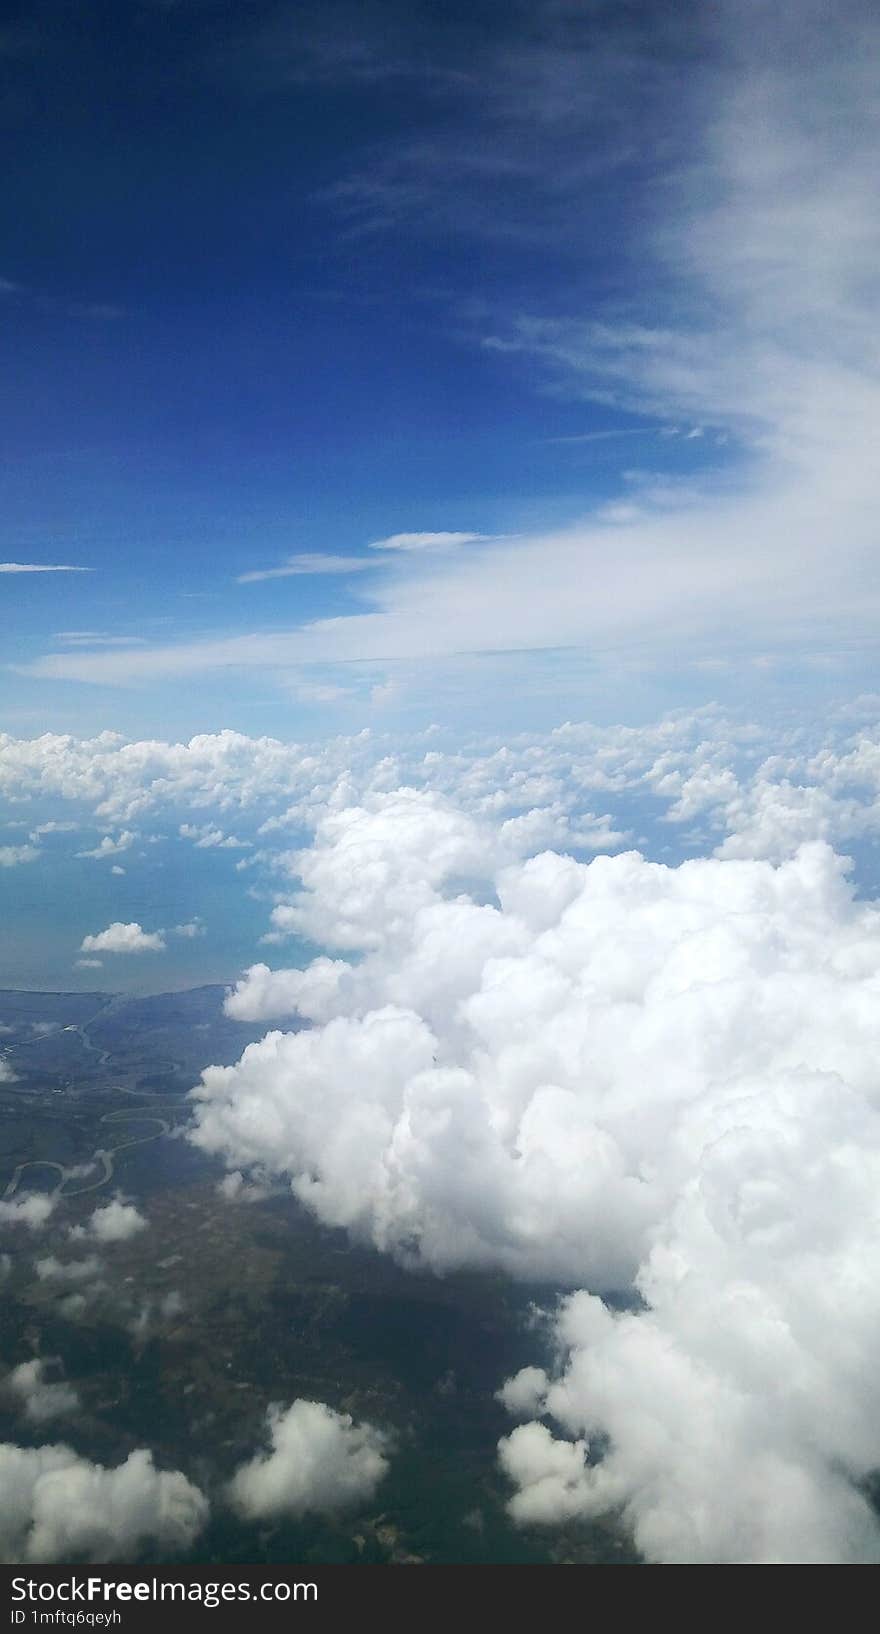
[[208, 838], [759, 791], [88, 964], [738, 1412], [371, 864], [31, 1210], [607, 1075], [320, 1461], [524, 1395], [756, 322], [309, 563], [119, 938], [290, 784], [41, 1398], [264, 994], [551, 1475], [236, 1189], [428, 541], [647, 587], [113, 1222], [110, 847], [56, 1506], [38, 567], [97, 638], [12, 855], [192, 929], [51, 1269]]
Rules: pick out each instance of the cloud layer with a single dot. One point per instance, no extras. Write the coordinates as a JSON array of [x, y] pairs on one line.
[[751, 790]]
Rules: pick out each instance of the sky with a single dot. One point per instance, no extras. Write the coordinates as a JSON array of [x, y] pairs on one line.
[[439, 491], [349, 351]]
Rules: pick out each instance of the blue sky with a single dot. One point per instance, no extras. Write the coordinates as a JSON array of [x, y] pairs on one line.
[[369, 370], [280, 282]]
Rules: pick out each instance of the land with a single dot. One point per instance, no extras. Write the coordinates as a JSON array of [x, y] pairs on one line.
[[192, 1327]]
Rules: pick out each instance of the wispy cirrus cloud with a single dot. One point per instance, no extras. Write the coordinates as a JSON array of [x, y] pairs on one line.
[[754, 317], [41, 567], [96, 638], [428, 541], [307, 564]]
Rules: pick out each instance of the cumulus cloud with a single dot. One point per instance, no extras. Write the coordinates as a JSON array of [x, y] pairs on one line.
[[319, 1461], [113, 1222], [11, 856], [550, 1474], [372, 867], [236, 1189], [110, 847], [57, 1506], [735, 1418], [31, 1210], [694, 764], [263, 994], [468, 1020], [609, 1075], [525, 1393], [208, 838], [119, 938], [52, 1269], [41, 1397]]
